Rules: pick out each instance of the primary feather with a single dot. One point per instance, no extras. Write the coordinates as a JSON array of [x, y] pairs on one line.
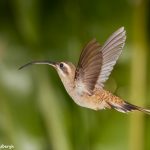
[[96, 62], [111, 51], [89, 66]]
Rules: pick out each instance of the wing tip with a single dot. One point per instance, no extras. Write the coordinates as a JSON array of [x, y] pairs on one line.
[[121, 29]]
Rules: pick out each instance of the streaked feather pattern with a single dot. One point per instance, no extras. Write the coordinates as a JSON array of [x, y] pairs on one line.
[[111, 50], [96, 62], [89, 66]]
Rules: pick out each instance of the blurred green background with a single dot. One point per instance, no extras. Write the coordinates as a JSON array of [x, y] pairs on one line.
[[36, 113]]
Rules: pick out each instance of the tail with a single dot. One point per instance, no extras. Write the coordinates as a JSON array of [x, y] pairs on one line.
[[126, 107]]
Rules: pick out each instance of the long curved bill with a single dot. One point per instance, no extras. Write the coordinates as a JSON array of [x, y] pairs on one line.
[[38, 63]]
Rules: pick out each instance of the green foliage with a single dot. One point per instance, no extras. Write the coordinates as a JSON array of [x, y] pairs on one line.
[[35, 111]]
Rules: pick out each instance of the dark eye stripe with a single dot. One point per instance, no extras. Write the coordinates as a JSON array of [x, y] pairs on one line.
[[64, 69]]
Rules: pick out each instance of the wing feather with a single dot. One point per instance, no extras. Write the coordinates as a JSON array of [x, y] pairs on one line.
[[111, 50], [88, 68], [96, 62]]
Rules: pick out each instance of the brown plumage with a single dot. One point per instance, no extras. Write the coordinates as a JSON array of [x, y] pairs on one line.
[[89, 65], [85, 82]]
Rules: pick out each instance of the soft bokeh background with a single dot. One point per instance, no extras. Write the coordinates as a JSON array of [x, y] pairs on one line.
[[35, 111]]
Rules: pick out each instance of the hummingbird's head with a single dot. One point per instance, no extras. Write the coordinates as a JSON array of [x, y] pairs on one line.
[[65, 70]]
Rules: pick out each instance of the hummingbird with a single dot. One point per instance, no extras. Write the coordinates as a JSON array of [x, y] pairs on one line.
[[85, 82]]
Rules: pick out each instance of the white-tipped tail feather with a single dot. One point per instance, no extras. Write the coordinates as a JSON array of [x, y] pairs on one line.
[[127, 107]]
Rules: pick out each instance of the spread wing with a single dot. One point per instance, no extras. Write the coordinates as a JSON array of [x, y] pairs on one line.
[[111, 50], [88, 68]]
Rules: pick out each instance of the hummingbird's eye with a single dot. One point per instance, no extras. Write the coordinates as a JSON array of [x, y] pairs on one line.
[[61, 65]]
